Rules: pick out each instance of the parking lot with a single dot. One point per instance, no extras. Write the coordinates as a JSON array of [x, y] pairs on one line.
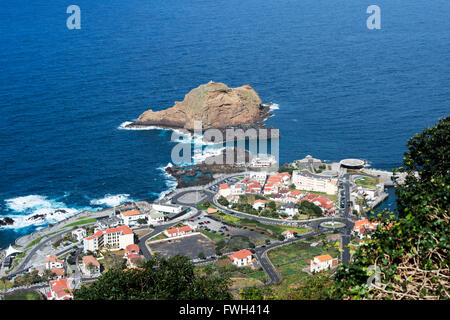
[[229, 181], [189, 246]]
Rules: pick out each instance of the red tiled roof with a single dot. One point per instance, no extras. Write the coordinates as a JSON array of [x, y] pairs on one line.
[[98, 234], [58, 271], [52, 258], [324, 257], [131, 213], [123, 229], [90, 259], [223, 186], [60, 288], [242, 254], [132, 248]]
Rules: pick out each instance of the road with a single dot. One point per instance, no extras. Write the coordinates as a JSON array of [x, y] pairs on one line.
[[268, 267]]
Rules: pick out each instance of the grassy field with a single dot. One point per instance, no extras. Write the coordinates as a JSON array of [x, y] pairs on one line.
[[367, 182], [81, 222], [332, 197], [213, 236], [272, 231], [160, 236], [293, 258], [24, 296]]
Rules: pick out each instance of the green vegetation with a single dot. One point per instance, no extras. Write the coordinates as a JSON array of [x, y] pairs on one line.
[[160, 236], [412, 253], [367, 182], [213, 236], [113, 260], [234, 243], [286, 168], [310, 209], [81, 222], [272, 231], [167, 279], [223, 201], [34, 242], [24, 296]]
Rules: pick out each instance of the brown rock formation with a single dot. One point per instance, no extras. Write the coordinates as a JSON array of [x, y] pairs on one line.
[[214, 104]]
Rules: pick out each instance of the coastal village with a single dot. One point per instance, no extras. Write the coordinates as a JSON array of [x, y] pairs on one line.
[[267, 225]]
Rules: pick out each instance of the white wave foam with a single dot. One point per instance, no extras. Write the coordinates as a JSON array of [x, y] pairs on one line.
[[111, 200], [37, 210], [274, 106], [171, 182]]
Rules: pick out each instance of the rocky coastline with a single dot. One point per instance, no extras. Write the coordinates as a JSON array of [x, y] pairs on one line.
[[205, 170]]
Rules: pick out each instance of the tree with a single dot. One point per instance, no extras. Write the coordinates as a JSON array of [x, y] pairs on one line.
[[411, 248], [272, 205], [141, 221], [223, 201], [165, 279], [201, 255]]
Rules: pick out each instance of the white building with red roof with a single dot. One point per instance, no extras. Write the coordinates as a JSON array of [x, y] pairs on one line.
[[288, 234], [241, 258], [259, 204], [177, 232], [131, 217], [113, 238], [224, 190], [61, 289], [90, 266], [271, 188], [52, 261], [322, 262]]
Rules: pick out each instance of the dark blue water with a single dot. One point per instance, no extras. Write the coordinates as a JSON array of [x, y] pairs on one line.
[[343, 90]]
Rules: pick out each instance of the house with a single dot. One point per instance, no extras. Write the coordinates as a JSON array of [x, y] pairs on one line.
[[363, 226], [90, 266], [177, 232], [259, 204], [288, 234], [52, 262], [131, 249], [132, 260], [322, 262], [289, 208], [241, 258], [113, 238], [294, 195], [270, 188], [131, 217], [79, 234], [253, 187], [237, 189], [155, 217], [224, 190], [61, 289]]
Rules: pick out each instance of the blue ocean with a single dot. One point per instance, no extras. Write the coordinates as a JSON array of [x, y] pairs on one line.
[[342, 90]]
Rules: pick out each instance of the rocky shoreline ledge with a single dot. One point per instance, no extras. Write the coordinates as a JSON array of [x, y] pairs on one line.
[[203, 172]]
